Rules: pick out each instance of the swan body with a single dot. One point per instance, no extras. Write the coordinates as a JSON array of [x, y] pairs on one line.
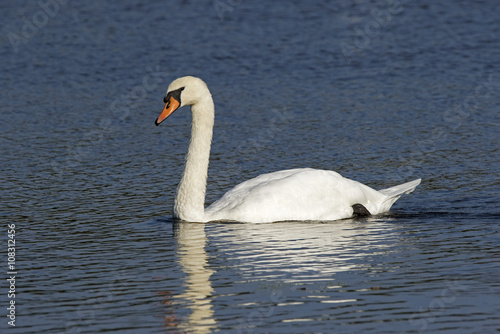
[[294, 194]]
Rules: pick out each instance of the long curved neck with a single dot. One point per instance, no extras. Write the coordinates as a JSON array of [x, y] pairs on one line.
[[190, 200]]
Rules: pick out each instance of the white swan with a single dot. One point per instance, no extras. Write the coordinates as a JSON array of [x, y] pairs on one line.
[[295, 194]]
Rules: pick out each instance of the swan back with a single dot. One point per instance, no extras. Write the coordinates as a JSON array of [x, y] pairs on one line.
[[295, 194]]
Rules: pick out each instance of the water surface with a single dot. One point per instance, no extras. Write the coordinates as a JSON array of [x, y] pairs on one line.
[[89, 180]]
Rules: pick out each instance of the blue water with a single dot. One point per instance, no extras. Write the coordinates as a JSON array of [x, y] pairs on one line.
[[382, 92]]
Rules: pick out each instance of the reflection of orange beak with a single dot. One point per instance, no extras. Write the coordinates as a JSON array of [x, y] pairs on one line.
[[171, 106]]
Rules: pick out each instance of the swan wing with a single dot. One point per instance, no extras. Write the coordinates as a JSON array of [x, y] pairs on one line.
[[295, 194]]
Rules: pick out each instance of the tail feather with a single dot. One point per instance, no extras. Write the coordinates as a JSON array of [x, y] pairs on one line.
[[394, 193], [401, 189]]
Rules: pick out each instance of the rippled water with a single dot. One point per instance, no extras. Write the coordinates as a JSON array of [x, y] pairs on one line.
[[89, 181]]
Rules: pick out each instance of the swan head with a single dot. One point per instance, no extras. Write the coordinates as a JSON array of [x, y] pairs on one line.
[[185, 91]]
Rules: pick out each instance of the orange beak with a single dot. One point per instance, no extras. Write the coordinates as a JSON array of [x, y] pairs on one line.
[[171, 106]]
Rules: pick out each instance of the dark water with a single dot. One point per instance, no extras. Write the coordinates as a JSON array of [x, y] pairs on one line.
[[382, 92]]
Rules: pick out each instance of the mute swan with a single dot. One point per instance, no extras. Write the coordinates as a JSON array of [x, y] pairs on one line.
[[295, 194]]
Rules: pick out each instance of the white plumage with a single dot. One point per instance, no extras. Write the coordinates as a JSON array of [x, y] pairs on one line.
[[295, 194], [300, 194]]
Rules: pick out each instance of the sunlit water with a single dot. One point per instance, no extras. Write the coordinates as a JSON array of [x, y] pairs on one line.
[[89, 181]]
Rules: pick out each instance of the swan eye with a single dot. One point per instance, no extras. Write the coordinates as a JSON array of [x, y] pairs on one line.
[[176, 94]]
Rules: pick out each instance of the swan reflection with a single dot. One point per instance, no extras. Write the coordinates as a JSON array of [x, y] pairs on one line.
[[303, 251], [191, 240], [275, 256]]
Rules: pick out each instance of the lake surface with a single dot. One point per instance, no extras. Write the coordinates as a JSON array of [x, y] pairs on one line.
[[382, 92]]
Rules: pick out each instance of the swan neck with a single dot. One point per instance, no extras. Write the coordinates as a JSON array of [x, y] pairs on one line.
[[190, 200]]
